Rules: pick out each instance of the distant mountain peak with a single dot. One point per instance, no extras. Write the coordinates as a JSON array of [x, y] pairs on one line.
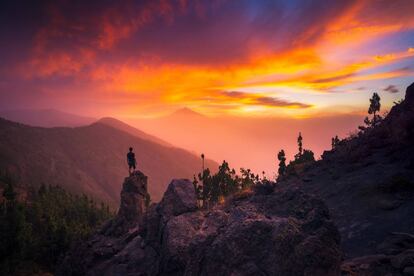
[[185, 111], [108, 119]]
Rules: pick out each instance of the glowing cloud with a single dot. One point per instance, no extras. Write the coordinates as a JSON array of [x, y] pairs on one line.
[[161, 55]]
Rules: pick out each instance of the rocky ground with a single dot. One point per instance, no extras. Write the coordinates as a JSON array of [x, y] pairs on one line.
[[367, 182], [262, 232]]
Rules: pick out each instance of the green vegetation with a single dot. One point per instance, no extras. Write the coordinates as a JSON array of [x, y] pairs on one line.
[[35, 233], [212, 189]]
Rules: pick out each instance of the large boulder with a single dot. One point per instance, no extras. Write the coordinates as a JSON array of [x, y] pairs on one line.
[[283, 233], [178, 199]]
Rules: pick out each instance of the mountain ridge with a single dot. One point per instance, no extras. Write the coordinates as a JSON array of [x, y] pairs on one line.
[[46, 117], [118, 124], [89, 159]]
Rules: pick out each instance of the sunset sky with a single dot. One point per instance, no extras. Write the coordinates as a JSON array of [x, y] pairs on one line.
[[242, 58]]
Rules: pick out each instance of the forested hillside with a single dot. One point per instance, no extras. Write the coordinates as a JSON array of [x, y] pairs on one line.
[[90, 159]]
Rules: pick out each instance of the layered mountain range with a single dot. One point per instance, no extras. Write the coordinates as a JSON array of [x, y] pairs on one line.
[[91, 159]]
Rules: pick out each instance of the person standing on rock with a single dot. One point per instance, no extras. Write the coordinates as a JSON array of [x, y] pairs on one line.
[[131, 161]]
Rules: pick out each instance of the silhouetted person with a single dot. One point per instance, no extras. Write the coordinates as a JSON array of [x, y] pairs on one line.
[[131, 161]]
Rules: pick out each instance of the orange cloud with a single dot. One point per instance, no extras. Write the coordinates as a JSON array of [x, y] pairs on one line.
[[125, 51]]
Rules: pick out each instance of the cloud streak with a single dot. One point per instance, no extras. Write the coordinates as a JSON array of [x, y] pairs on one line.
[[391, 89], [260, 100]]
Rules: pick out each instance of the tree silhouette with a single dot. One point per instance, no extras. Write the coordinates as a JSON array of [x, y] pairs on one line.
[[303, 156], [307, 156], [202, 160], [300, 145], [224, 183], [282, 162], [335, 141], [374, 107]]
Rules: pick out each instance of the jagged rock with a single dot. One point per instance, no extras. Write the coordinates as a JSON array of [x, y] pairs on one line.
[[133, 196], [396, 243], [403, 259], [396, 261], [132, 207], [179, 198], [368, 266], [282, 232], [397, 258]]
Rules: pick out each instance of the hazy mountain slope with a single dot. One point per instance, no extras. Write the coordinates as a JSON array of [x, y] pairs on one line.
[[249, 142], [132, 130], [89, 159], [46, 118], [368, 181]]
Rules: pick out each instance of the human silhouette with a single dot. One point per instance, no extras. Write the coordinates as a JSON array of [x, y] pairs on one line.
[[131, 161]]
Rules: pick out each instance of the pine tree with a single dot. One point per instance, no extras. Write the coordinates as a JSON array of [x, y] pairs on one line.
[[298, 156], [335, 141], [307, 156], [282, 162], [374, 107], [300, 144]]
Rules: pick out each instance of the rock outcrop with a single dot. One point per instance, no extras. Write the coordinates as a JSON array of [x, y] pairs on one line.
[[133, 198], [276, 232], [367, 182], [134, 201], [395, 256]]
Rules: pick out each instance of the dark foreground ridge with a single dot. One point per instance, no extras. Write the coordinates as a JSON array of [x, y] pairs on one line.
[[258, 233], [367, 182]]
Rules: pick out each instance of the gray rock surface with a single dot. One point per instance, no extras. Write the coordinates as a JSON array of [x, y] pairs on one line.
[[132, 207], [395, 257], [280, 232], [178, 199], [133, 195]]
